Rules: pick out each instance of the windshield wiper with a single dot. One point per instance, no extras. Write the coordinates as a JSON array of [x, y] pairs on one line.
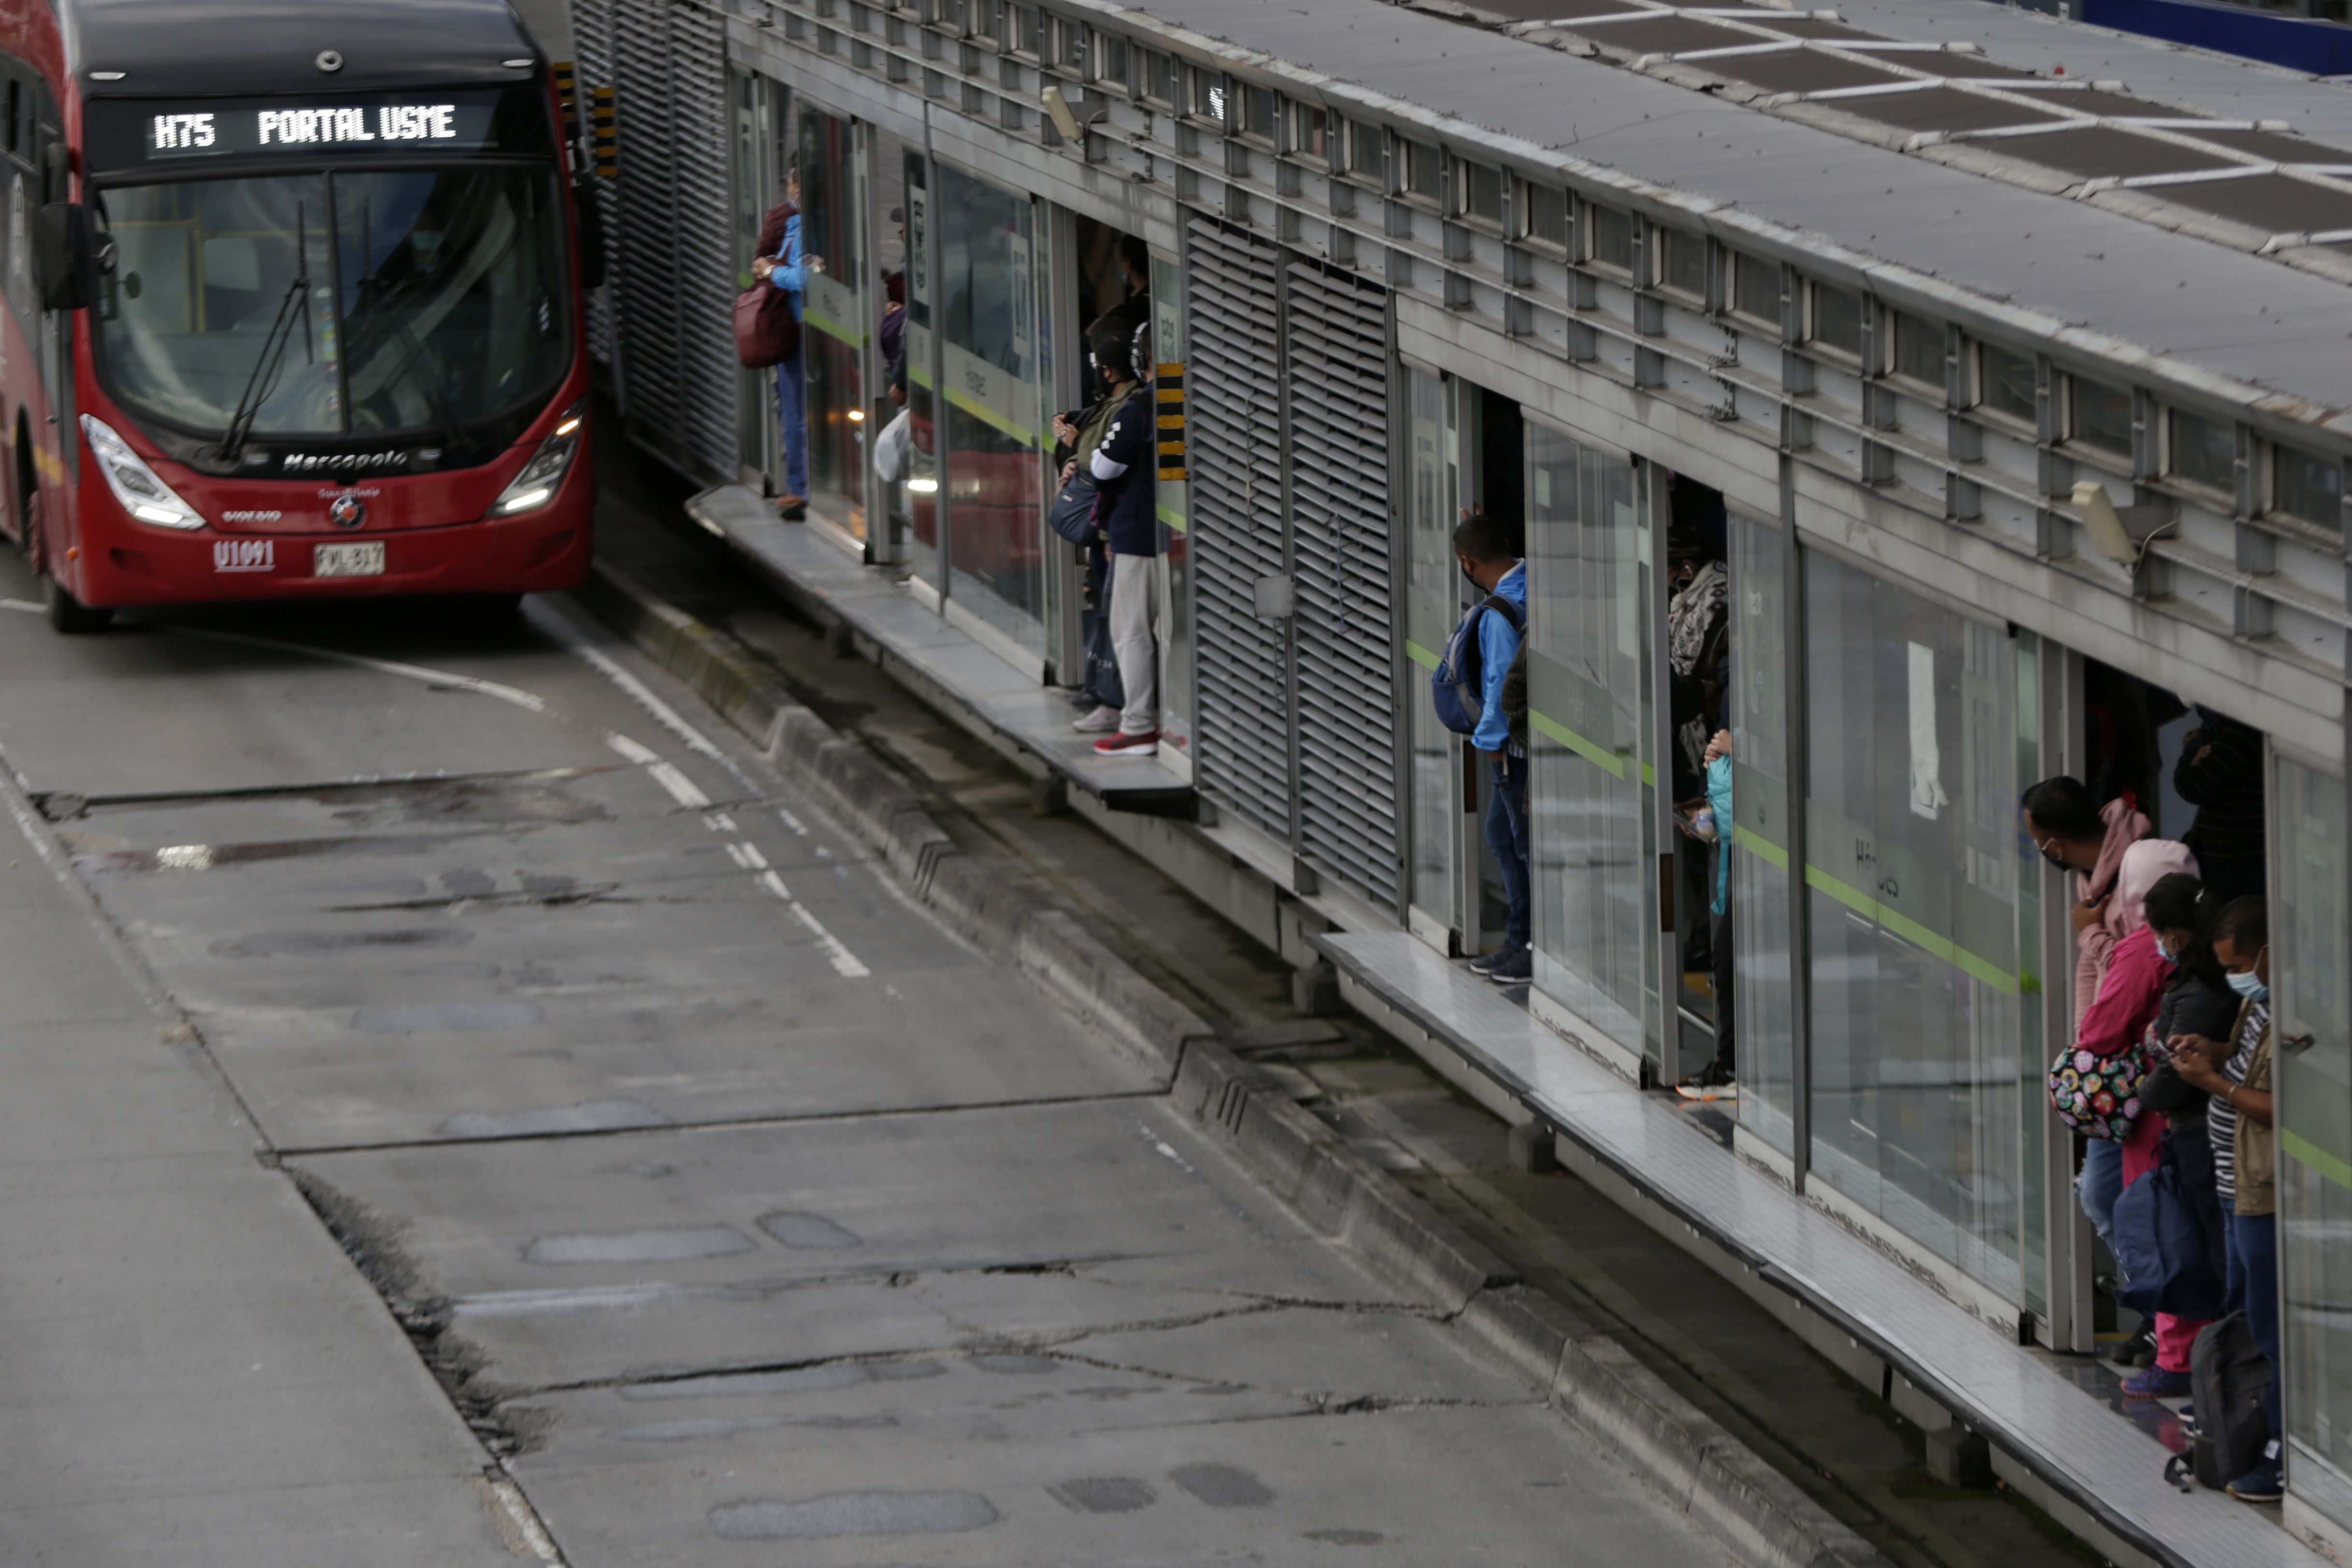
[[293, 306]]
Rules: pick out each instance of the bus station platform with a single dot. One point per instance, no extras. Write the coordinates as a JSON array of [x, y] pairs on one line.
[[2094, 1462], [2057, 1432], [953, 668]]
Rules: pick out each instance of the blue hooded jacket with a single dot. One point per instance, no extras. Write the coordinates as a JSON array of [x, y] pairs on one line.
[[1498, 644]]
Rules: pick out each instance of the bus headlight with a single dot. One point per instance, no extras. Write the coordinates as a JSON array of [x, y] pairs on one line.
[[143, 495], [543, 475]]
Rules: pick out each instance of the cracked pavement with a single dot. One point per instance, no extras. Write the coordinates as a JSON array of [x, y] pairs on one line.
[[742, 1213]]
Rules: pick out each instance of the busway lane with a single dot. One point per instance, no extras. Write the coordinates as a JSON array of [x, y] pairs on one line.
[[537, 899], [739, 1206]]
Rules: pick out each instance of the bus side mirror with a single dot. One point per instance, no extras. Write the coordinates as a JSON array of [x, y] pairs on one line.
[[62, 255]]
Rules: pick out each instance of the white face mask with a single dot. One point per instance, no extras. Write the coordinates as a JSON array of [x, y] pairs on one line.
[[2249, 987]]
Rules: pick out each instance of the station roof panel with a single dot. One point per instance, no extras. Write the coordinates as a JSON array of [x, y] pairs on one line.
[[2275, 203], [1801, 70], [1849, 201], [1944, 108], [1669, 34], [2096, 150]]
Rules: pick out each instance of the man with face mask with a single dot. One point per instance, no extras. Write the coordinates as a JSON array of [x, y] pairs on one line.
[[2241, 1123], [2075, 837]]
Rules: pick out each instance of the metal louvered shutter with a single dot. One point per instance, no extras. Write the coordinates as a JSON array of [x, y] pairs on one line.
[[702, 276], [1233, 436], [591, 39], [646, 300], [1336, 374], [673, 263]]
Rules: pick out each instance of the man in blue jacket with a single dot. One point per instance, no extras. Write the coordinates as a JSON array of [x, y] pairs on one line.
[[1482, 548]]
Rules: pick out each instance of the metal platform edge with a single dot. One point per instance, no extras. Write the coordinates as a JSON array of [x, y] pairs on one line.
[[720, 511]]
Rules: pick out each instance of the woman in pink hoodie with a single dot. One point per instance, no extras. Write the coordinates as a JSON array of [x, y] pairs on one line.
[[2075, 837], [2138, 968]]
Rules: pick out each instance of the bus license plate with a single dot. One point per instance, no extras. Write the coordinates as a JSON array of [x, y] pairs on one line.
[[348, 560]]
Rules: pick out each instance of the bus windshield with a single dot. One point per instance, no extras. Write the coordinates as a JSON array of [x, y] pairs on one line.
[[359, 303]]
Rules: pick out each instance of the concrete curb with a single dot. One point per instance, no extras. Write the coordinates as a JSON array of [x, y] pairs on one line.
[[1764, 1518]]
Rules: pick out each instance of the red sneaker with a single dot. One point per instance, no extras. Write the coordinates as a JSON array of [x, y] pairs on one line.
[[1144, 745]]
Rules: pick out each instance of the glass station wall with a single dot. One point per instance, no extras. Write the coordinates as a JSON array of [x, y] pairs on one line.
[[923, 378], [992, 385], [2311, 1052], [1912, 863], [834, 317], [1590, 802], [1760, 926]]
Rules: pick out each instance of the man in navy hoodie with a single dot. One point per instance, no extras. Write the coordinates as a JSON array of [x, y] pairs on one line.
[[1482, 548]]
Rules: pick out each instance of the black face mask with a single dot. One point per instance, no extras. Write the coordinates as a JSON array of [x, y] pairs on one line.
[[2052, 853]]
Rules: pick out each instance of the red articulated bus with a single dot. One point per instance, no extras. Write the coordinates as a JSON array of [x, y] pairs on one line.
[[292, 303]]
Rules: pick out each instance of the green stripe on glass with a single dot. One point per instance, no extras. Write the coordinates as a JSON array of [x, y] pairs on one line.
[[833, 328], [1912, 931], [2318, 1158], [1607, 762]]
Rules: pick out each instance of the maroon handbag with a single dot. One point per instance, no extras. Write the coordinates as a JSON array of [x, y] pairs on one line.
[[765, 331]]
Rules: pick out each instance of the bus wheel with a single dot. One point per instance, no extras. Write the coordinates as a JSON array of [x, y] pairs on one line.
[[67, 613], [70, 616]]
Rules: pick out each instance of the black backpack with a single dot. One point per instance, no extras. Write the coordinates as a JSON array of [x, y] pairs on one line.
[[2228, 1384]]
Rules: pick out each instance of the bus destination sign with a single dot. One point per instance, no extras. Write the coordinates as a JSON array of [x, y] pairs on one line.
[[463, 121], [281, 128]]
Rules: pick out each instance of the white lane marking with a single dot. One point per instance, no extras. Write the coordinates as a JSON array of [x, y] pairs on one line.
[[683, 790], [719, 822], [23, 606], [1164, 1148], [845, 963], [475, 684], [561, 628]]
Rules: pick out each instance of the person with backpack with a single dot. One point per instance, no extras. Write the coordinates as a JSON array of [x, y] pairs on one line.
[[2240, 1121], [1468, 688]]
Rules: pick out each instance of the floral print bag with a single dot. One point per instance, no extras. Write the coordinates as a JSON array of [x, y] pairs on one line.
[[2099, 1096]]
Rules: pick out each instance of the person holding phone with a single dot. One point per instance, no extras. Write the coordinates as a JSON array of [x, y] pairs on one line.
[[2241, 1121]]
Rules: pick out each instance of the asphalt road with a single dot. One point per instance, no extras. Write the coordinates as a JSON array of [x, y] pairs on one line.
[[745, 1213]]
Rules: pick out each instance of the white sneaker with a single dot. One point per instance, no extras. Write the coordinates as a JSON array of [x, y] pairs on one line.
[[1101, 721]]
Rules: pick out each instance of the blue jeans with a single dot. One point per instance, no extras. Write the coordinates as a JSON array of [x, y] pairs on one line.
[[1507, 835], [2100, 1184], [2252, 1281], [792, 402]]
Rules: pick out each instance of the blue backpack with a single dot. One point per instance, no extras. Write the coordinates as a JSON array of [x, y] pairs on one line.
[[1457, 686]]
